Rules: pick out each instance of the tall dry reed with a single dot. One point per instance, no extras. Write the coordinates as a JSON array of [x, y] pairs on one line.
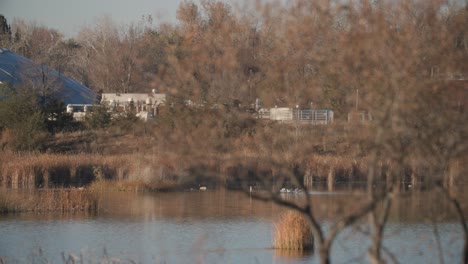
[[54, 200], [292, 232]]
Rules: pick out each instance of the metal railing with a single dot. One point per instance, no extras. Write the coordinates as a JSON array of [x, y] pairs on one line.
[[308, 116], [315, 117]]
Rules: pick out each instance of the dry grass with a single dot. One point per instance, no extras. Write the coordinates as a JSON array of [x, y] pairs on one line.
[[165, 162], [119, 186], [292, 232], [31, 170], [54, 200]]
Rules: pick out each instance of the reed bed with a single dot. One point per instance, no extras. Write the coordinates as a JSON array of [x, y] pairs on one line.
[[292, 232], [53, 200], [172, 171], [29, 171], [342, 168]]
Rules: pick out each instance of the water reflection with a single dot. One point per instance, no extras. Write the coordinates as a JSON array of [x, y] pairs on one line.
[[219, 227], [184, 206]]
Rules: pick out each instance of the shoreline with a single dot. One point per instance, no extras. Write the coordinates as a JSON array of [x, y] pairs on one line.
[[153, 173]]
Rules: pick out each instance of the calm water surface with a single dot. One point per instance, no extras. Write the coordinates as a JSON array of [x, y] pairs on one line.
[[220, 227]]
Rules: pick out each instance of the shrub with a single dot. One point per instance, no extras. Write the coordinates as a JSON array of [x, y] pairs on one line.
[[99, 118], [124, 121], [22, 122], [57, 119]]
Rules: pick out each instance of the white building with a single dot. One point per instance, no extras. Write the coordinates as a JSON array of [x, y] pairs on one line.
[[146, 105], [125, 99]]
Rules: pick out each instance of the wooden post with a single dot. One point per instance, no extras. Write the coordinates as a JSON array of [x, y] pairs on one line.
[[414, 178], [28, 178], [14, 180], [389, 179], [454, 171], [45, 177], [308, 178], [31, 179], [331, 180], [73, 176]]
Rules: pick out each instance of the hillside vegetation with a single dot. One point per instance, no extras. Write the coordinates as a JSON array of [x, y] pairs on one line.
[[404, 62]]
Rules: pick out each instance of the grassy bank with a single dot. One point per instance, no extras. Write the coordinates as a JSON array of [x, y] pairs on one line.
[[212, 150]]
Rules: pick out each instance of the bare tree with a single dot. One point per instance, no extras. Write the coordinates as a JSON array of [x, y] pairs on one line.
[[415, 118], [5, 32]]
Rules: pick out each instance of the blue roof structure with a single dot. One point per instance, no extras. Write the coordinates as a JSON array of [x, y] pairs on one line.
[[18, 70]]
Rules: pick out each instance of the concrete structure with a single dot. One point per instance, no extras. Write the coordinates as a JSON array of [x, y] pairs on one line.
[[125, 99], [79, 110], [145, 105], [281, 114]]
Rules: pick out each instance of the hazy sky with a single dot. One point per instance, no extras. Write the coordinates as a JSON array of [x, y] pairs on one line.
[[68, 16]]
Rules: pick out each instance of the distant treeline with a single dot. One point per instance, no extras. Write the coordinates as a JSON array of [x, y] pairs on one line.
[[297, 53]]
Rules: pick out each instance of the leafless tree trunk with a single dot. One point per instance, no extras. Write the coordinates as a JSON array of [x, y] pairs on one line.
[[458, 209]]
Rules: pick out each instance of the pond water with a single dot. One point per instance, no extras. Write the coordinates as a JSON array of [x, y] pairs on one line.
[[221, 227]]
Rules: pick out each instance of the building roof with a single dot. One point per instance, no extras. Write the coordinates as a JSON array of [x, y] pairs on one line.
[[18, 70], [125, 98]]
